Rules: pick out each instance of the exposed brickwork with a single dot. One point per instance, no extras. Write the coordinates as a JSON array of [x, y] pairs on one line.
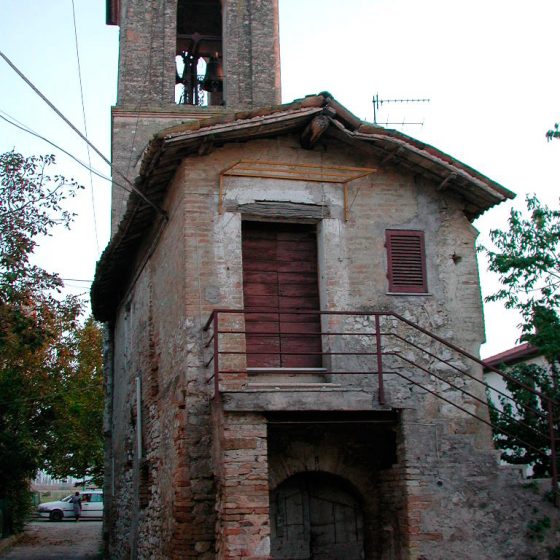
[[242, 528], [191, 476], [251, 53], [211, 471]]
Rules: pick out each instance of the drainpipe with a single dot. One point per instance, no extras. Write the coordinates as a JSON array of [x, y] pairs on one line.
[[109, 459], [139, 418]]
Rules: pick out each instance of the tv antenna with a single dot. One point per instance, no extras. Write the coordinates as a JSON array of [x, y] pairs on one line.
[[378, 103]]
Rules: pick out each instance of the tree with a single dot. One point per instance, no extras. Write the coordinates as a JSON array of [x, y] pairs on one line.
[[523, 433], [553, 133], [76, 446], [526, 256], [42, 355]]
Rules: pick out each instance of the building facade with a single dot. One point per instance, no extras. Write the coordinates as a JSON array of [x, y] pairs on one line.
[[294, 316]]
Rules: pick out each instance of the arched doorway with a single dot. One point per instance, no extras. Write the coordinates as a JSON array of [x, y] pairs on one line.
[[316, 516]]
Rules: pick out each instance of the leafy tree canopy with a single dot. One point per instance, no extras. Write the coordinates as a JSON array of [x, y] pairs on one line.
[[50, 363], [521, 433], [526, 256], [553, 133]]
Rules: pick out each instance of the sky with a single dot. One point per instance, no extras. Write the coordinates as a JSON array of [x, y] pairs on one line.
[[488, 67]]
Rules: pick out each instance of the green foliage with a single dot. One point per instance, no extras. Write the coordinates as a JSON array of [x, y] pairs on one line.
[[527, 259], [521, 433], [50, 378], [526, 256], [76, 448], [553, 133], [537, 528]]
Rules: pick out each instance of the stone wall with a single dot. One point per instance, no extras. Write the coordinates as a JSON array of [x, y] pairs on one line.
[[200, 488]]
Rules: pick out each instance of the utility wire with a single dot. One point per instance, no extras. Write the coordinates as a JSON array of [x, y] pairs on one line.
[[9, 119], [85, 123], [100, 154]]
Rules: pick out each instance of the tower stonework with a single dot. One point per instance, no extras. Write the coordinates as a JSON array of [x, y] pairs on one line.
[[153, 38]]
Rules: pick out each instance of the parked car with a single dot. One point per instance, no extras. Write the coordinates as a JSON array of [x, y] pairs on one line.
[[92, 506]]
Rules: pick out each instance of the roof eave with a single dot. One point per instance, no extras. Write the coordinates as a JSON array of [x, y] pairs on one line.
[[165, 152]]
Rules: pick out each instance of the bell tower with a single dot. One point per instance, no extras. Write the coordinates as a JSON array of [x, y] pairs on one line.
[[182, 60], [197, 53]]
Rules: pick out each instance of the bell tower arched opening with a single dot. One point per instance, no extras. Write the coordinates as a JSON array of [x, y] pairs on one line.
[[199, 53]]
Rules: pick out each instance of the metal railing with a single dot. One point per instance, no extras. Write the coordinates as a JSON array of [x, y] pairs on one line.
[[382, 349]]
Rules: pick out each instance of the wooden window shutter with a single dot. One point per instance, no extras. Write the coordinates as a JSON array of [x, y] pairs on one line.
[[406, 261]]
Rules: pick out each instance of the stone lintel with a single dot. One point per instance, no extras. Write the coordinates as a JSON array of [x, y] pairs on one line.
[[294, 399]]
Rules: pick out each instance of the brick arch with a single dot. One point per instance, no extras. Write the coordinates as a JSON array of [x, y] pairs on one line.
[[359, 456], [331, 460], [341, 479]]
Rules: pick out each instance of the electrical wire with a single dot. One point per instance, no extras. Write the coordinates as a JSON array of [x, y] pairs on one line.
[[96, 150], [11, 120], [85, 123]]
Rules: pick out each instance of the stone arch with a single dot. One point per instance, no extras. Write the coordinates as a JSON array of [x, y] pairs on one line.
[[362, 458]]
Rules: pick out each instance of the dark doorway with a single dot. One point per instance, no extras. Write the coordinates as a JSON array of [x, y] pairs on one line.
[[280, 289], [316, 516]]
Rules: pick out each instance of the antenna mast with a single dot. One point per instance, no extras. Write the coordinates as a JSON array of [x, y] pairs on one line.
[[377, 103]]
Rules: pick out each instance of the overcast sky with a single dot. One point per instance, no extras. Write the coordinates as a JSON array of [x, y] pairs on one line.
[[489, 68]]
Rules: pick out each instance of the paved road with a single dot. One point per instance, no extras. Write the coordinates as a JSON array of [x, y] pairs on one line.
[[67, 540]]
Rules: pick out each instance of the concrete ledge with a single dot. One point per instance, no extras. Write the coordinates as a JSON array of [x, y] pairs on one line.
[[304, 397]]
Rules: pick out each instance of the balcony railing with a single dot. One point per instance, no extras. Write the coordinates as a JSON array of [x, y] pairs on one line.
[[381, 351]]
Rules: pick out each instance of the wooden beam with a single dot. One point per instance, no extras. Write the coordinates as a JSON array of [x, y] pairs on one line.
[[390, 156], [206, 147], [443, 184], [314, 130]]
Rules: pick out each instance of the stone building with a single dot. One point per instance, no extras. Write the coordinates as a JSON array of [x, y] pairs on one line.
[[293, 314]]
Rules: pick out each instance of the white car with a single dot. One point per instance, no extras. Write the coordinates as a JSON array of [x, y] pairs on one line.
[[92, 506]]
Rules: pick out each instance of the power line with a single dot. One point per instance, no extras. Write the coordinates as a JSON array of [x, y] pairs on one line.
[[99, 153], [85, 123], [11, 120]]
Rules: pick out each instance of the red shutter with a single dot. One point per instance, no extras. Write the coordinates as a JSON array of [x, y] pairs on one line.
[[280, 276], [406, 261]]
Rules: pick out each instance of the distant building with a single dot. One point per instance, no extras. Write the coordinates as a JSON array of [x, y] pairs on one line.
[[523, 353], [44, 481]]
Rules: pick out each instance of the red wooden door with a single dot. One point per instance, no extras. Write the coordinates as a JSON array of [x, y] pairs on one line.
[[280, 279]]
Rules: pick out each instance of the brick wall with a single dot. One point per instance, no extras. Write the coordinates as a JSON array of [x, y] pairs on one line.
[[209, 472]]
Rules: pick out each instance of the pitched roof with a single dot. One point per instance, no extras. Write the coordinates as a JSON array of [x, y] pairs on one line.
[[513, 355], [167, 150]]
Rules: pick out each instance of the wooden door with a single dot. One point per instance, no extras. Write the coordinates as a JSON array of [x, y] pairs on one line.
[[314, 517], [280, 280]]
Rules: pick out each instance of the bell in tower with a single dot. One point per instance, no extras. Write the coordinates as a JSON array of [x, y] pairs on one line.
[[199, 44]]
